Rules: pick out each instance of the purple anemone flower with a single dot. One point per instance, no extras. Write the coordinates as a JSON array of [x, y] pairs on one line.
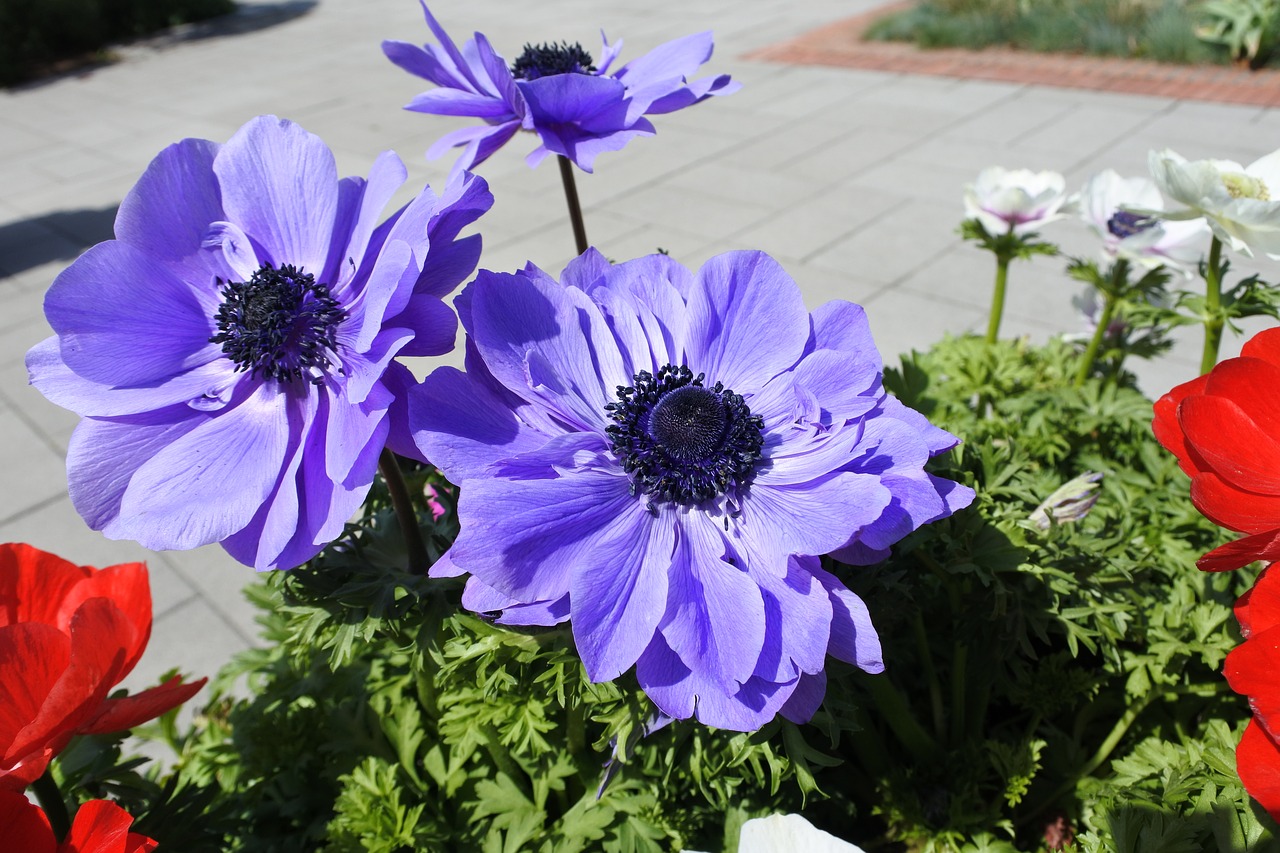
[[658, 456], [578, 108], [228, 349]]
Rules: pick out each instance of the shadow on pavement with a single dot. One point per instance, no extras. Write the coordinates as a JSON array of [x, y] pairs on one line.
[[60, 236]]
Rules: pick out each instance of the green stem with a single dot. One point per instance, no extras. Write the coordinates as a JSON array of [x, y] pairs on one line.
[[402, 504], [897, 715], [1091, 351], [1103, 752], [997, 298], [959, 663], [55, 808], [931, 676], [1212, 307], [575, 209]]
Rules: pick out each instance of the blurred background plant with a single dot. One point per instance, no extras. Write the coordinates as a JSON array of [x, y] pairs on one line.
[[35, 36], [1178, 31]]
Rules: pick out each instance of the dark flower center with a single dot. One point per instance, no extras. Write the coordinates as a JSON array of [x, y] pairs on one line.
[[1125, 224], [543, 60], [280, 323], [681, 441]]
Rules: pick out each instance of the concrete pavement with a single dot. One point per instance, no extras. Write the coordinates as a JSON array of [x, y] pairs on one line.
[[852, 179]]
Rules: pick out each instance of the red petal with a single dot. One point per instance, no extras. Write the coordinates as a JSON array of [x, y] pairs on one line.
[[1258, 763], [33, 657], [129, 711], [1234, 446], [1259, 608], [1250, 383], [1235, 509], [136, 843], [1261, 546], [100, 826], [34, 583], [100, 636], [25, 826], [1166, 427], [1264, 345], [127, 587], [1250, 670]]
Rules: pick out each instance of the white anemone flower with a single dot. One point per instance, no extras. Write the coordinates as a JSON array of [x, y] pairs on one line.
[[1016, 199], [788, 833], [1241, 204], [1125, 213]]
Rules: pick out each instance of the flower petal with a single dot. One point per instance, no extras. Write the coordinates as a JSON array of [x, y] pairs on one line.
[[745, 298], [116, 715], [280, 184], [179, 498], [619, 599]]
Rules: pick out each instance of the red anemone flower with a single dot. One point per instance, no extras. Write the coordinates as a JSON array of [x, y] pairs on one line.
[[100, 827], [1224, 427], [1251, 670], [68, 635]]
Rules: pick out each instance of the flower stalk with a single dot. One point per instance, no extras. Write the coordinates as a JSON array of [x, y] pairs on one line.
[[402, 505], [997, 298], [1212, 307], [575, 209], [55, 807]]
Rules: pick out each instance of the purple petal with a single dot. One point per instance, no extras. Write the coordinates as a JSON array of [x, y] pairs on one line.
[[694, 92], [480, 143], [525, 537], [386, 176], [715, 617], [547, 343], [485, 599], [811, 518], [166, 213], [434, 324], [806, 698], [453, 102], [843, 327], [398, 380], [853, 637], [683, 693], [447, 266], [122, 319], [678, 59], [644, 307], [280, 184], [61, 386], [179, 498], [103, 456], [462, 426], [798, 622], [619, 600], [745, 298]]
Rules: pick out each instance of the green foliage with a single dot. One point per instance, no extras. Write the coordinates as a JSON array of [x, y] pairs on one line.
[[35, 34], [1249, 29], [385, 718], [1163, 30]]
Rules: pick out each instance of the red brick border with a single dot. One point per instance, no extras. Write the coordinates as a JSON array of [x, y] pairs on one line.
[[840, 44]]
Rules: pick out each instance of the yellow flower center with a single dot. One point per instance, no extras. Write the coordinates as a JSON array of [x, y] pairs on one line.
[[1245, 186]]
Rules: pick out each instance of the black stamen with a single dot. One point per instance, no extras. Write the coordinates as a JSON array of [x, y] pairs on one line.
[[683, 442], [280, 323], [544, 60]]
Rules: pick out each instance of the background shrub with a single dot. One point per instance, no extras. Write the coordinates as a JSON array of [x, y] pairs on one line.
[[33, 35]]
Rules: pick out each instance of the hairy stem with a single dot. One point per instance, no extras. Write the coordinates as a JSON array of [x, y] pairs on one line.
[[575, 209], [402, 504], [931, 676], [55, 807], [1213, 307]]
